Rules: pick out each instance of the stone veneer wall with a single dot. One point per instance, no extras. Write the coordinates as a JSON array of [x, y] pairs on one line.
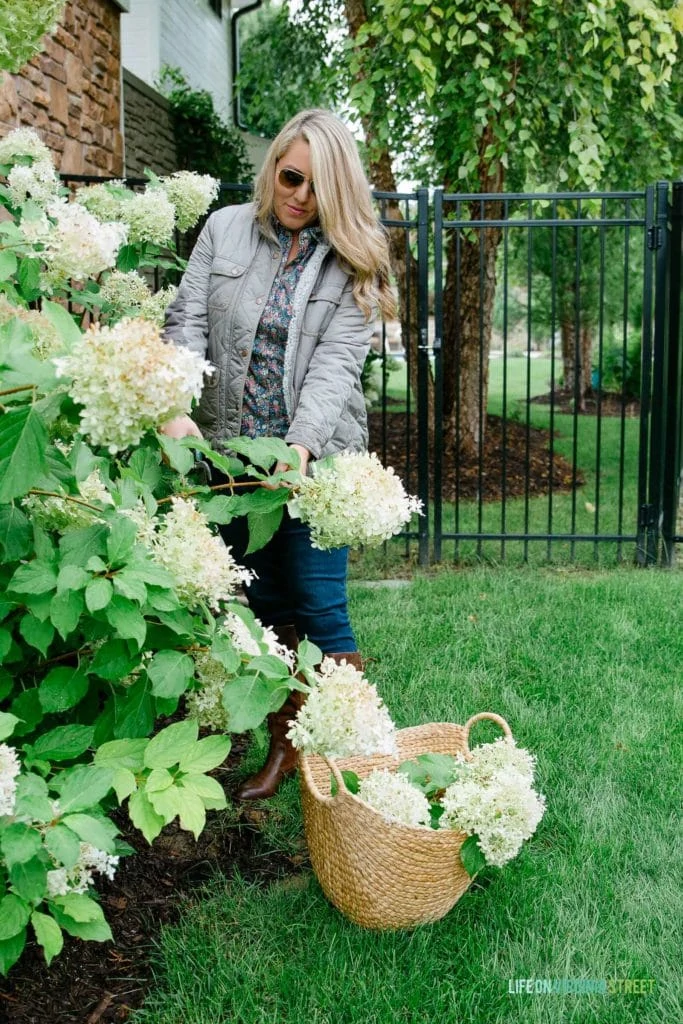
[[71, 92], [148, 126]]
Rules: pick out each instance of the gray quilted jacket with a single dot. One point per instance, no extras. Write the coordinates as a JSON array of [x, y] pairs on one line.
[[216, 313]]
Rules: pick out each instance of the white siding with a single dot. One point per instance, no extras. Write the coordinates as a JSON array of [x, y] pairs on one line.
[[182, 33]]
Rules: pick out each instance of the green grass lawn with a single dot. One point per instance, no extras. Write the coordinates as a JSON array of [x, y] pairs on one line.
[[586, 667]]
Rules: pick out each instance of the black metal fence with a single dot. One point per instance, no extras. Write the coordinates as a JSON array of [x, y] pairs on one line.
[[532, 392]]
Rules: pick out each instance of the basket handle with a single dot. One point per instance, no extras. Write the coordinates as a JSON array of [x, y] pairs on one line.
[[490, 716], [305, 769]]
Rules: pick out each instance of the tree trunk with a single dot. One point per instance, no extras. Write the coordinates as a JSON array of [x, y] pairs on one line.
[[577, 358], [403, 263]]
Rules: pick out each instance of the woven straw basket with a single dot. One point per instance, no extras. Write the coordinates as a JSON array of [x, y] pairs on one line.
[[382, 875]]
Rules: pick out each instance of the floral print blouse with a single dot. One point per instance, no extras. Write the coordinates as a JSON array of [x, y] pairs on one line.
[[263, 404]]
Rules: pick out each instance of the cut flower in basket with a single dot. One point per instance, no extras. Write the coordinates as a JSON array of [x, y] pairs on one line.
[[343, 716], [352, 500]]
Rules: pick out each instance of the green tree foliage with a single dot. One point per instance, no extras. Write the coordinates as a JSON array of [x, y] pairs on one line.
[[283, 68], [204, 142]]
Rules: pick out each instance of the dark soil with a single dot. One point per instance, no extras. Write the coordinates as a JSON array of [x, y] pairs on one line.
[[94, 982]]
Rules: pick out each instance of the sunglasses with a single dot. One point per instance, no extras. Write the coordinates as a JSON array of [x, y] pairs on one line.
[[289, 178]]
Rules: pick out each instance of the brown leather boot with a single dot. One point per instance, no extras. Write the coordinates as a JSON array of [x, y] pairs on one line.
[[351, 658], [282, 756]]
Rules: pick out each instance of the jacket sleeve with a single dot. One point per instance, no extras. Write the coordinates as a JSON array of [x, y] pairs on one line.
[[187, 316], [333, 377]]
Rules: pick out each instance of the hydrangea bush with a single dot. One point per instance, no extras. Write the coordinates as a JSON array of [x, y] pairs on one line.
[[118, 602]]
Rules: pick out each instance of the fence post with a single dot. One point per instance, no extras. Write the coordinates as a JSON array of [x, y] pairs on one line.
[[672, 398], [423, 411]]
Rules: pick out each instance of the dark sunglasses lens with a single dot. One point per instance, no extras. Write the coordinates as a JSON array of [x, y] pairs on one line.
[[293, 179]]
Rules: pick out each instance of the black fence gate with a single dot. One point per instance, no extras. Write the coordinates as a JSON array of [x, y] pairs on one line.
[[542, 414]]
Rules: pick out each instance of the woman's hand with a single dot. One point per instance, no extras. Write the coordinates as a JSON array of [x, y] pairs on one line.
[[181, 426], [282, 467]]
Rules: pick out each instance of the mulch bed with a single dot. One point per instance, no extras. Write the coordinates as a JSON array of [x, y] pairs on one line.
[[101, 983]]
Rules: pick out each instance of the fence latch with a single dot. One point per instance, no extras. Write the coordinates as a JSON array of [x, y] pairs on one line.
[[654, 237]]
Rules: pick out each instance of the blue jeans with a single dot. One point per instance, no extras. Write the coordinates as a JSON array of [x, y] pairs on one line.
[[296, 583]]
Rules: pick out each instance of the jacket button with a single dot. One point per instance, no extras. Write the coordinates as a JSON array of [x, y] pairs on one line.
[[258, 301], [234, 272], [244, 353]]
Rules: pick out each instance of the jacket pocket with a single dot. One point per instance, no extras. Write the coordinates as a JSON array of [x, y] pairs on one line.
[[224, 277]]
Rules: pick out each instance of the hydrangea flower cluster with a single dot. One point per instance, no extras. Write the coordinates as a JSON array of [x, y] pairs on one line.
[[22, 27], [191, 195], [128, 294], [104, 201], [47, 340], [394, 797], [62, 514], [352, 500], [206, 702], [494, 799], [202, 566], [150, 217], [9, 769], [38, 181], [79, 246], [128, 381], [79, 878], [343, 716]]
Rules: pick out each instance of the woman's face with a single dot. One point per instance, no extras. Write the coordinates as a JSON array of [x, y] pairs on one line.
[[295, 205]]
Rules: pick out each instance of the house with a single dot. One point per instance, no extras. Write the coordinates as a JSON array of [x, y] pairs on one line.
[[92, 92]]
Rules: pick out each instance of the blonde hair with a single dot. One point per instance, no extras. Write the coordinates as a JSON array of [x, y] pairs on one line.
[[345, 211]]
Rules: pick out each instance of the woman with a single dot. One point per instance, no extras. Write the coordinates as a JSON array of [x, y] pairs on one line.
[[279, 295]]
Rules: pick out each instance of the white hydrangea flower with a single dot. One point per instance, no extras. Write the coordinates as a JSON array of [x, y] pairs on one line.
[[128, 381], [61, 514], [352, 500], [494, 799], [191, 195], [150, 217], [39, 182], [23, 142], [79, 246], [47, 341], [246, 642], [124, 292], [79, 878], [205, 704], [9, 769], [343, 716], [104, 201], [394, 797], [202, 566], [155, 305]]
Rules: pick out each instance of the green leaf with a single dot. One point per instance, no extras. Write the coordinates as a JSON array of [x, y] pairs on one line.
[[14, 915], [171, 673], [472, 858], [144, 817], [5, 643], [32, 798], [166, 802], [128, 258], [121, 540], [122, 754], [224, 651], [26, 706], [23, 441], [83, 788], [8, 265], [98, 594], [77, 547], [59, 317], [29, 879], [134, 711], [113, 660], [209, 791], [62, 688], [248, 700], [262, 451], [206, 754], [95, 929], [63, 844], [72, 577], [64, 742], [262, 526], [79, 907], [11, 949], [172, 744], [430, 772], [100, 832], [180, 458], [7, 724], [127, 619], [35, 577], [130, 585], [123, 783], [66, 610], [15, 533], [192, 813], [270, 666], [48, 935], [28, 277], [19, 842], [36, 633]]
